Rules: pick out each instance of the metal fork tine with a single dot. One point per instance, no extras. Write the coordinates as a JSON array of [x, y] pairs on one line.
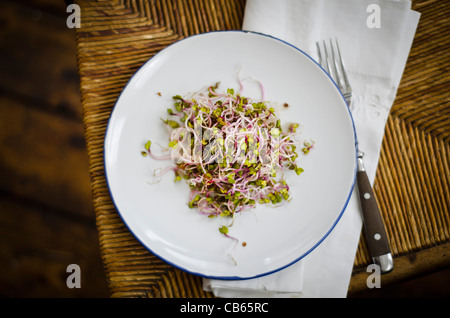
[[344, 73], [327, 63], [319, 53], [335, 68], [336, 73]]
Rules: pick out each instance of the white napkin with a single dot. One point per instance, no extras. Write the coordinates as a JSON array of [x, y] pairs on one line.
[[375, 59]]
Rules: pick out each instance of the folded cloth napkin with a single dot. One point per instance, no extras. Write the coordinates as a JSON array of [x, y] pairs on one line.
[[375, 37]]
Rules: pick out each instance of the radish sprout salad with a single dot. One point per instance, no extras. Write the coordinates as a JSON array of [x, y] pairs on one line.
[[231, 150]]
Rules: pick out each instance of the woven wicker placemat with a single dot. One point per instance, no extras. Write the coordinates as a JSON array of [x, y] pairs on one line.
[[412, 182]]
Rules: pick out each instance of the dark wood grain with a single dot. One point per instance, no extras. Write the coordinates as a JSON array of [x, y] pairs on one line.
[[37, 58], [47, 218], [44, 157], [37, 243]]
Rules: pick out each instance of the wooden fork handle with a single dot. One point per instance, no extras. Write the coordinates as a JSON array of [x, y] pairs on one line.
[[375, 232]]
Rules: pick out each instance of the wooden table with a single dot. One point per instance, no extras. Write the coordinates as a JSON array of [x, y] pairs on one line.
[[412, 181]]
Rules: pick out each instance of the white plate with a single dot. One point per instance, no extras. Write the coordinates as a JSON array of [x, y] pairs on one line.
[[158, 215]]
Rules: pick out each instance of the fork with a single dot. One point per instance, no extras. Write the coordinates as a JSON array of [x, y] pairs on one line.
[[375, 232]]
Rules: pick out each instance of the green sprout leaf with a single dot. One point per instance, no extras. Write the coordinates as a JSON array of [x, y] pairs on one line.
[[223, 229]]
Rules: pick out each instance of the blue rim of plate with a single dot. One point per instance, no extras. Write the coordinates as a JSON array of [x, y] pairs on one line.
[[233, 277]]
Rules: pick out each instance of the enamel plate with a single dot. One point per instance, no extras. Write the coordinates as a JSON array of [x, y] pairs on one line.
[[158, 214]]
